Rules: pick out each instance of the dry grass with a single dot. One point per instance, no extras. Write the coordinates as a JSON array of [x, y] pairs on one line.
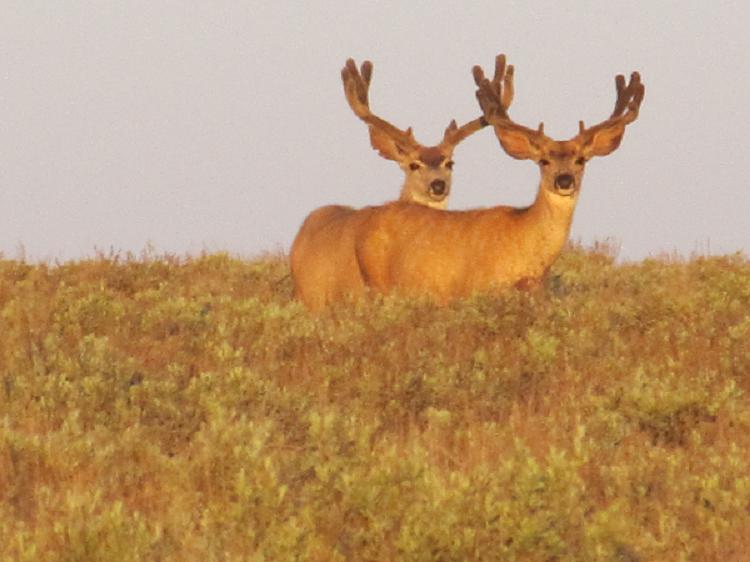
[[187, 409]]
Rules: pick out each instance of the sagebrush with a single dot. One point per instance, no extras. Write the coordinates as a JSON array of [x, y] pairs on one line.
[[164, 408]]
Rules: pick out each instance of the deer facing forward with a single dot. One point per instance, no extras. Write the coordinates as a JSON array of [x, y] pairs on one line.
[[416, 250], [323, 260]]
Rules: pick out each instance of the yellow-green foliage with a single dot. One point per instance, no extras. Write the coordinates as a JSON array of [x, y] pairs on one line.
[[189, 410]]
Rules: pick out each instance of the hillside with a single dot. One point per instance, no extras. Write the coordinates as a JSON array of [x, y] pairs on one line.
[[187, 409]]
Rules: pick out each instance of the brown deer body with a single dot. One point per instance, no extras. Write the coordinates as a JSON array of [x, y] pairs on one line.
[[323, 260], [453, 254], [449, 254], [323, 263]]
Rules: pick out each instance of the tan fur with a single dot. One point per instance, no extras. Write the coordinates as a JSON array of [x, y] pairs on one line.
[[451, 254], [415, 250], [324, 266], [323, 261]]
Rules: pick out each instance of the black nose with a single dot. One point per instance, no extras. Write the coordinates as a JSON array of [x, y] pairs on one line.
[[564, 181], [438, 187]]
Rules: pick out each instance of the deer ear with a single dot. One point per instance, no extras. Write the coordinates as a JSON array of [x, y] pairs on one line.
[[517, 144], [387, 146], [604, 141]]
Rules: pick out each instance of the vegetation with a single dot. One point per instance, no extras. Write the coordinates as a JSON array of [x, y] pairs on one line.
[[186, 409]]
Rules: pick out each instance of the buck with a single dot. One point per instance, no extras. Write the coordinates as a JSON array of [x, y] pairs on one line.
[[323, 261], [416, 250]]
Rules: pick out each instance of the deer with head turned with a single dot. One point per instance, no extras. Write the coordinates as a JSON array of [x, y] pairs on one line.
[[449, 254], [323, 262]]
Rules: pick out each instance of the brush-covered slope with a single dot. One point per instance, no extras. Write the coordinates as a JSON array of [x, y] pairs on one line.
[[188, 409]]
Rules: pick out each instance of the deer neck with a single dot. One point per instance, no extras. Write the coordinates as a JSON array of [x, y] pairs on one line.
[[408, 191], [546, 226]]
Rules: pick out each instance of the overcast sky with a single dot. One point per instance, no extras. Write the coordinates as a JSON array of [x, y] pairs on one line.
[[192, 126]]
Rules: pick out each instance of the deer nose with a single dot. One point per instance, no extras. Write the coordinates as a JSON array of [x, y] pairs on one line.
[[438, 187], [564, 181]]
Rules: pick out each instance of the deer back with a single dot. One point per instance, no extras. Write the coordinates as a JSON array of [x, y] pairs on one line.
[[450, 254]]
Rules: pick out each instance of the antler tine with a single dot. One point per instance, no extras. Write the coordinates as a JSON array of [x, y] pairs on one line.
[[626, 95], [627, 104], [455, 134], [637, 90], [366, 72], [502, 83], [357, 87], [496, 96], [622, 101], [503, 80], [490, 96], [508, 86]]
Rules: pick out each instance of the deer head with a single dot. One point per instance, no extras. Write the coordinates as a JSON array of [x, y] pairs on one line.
[[427, 169], [561, 162]]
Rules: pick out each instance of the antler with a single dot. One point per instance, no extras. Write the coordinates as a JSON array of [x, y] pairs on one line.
[[626, 109], [522, 142], [356, 87], [502, 84], [494, 98]]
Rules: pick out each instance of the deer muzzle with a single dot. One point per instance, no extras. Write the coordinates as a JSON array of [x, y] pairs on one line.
[[565, 182], [438, 187]]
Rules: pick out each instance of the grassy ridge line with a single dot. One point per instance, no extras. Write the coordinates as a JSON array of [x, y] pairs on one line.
[[188, 409]]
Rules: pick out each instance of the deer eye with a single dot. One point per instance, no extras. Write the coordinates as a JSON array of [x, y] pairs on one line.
[[414, 166], [449, 164], [581, 161], [544, 162]]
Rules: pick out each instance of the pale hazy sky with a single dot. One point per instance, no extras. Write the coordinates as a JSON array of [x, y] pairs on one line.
[[197, 126]]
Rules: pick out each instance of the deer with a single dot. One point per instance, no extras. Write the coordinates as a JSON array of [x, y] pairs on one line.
[[416, 250], [322, 258], [427, 169]]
